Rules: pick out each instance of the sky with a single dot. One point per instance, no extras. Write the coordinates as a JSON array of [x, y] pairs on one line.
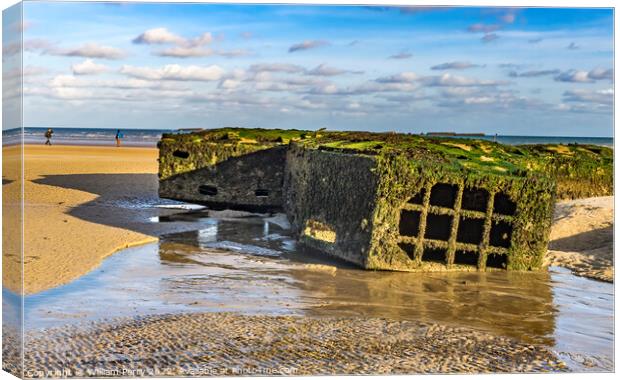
[[511, 71]]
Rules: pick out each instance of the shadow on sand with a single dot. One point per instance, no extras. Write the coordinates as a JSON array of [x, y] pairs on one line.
[[588, 240], [124, 201]]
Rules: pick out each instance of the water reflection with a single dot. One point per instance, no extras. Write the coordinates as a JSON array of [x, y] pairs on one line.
[[252, 265]]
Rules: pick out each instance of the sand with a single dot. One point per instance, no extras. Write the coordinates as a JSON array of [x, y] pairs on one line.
[[228, 344], [81, 204], [582, 237]]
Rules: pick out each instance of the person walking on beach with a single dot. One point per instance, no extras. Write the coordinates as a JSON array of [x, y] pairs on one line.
[[118, 137], [48, 136]]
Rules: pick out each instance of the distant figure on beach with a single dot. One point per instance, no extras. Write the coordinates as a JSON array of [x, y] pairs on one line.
[[48, 136], [118, 137]]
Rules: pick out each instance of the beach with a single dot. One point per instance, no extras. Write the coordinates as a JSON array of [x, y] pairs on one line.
[[82, 204], [85, 203]]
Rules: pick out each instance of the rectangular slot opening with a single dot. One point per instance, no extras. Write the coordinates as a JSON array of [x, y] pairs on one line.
[[470, 230], [409, 223], [497, 261], [418, 199], [438, 227], [466, 258], [443, 195], [475, 199], [501, 234], [437, 255], [180, 154], [503, 205], [409, 249], [261, 192], [207, 190]]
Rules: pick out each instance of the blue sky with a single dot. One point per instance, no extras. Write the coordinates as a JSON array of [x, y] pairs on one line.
[[528, 71]]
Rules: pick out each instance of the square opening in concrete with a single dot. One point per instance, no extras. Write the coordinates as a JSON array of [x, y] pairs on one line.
[[470, 230], [443, 194], [207, 190], [501, 234], [434, 254], [409, 224], [475, 199], [497, 261], [438, 227], [409, 249], [180, 154], [466, 258], [418, 199], [503, 205]]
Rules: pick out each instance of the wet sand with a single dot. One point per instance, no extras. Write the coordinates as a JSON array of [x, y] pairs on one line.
[[582, 237], [82, 204], [228, 344]]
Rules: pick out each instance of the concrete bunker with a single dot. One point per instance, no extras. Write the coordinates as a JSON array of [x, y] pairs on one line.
[[381, 201]]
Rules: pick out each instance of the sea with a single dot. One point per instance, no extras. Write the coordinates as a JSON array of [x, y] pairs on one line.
[[150, 137]]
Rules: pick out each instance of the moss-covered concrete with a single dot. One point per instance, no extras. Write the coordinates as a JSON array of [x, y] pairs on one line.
[[391, 201]]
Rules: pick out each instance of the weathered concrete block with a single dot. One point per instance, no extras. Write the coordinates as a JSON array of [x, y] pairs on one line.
[[387, 212], [381, 201]]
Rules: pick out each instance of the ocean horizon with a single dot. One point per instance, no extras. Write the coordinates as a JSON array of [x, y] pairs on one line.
[[150, 137]]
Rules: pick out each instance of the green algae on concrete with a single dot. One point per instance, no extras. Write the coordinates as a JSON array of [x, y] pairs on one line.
[[391, 201]]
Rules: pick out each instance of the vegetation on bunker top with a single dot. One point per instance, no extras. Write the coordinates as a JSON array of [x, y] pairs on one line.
[[579, 170]]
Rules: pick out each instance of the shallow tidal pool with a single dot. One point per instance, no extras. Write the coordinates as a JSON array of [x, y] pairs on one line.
[[251, 265]]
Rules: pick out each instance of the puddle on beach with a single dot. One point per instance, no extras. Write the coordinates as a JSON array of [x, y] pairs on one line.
[[251, 265]]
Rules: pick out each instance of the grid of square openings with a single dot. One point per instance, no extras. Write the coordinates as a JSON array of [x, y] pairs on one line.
[[448, 204]]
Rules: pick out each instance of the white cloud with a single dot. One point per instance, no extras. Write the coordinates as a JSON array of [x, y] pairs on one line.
[[89, 50], [404, 77], [175, 72], [276, 68], [402, 55], [458, 65], [308, 44], [604, 97], [233, 53], [158, 36], [88, 67], [582, 76], [28, 45], [69, 81], [599, 73], [229, 84], [328, 71], [533, 73], [457, 81], [489, 37], [203, 39]]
